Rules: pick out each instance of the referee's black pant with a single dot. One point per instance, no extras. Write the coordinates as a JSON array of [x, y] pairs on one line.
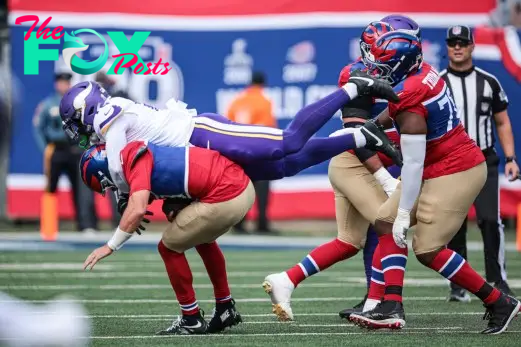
[[489, 222], [63, 158]]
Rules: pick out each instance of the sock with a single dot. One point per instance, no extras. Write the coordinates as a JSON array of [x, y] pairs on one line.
[[394, 260], [316, 151], [453, 267], [320, 259], [310, 119], [377, 284], [181, 279], [215, 264], [370, 246]]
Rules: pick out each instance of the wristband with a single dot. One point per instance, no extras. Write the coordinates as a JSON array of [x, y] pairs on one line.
[[511, 159], [118, 239]]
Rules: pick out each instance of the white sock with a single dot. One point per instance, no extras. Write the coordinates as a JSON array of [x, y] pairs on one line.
[[359, 138], [351, 90], [370, 304]]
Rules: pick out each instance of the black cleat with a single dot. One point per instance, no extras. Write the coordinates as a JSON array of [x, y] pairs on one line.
[[224, 316], [503, 287], [372, 86], [458, 295], [346, 313], [187, 325], [500, 314], [377, 140], [386, 315]]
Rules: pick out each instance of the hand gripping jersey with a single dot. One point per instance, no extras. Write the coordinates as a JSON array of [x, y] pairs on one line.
[[449, 148], [379, 106], [189, 172]]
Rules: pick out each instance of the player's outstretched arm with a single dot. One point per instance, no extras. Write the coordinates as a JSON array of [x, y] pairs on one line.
[[130, 221], [413, 143]]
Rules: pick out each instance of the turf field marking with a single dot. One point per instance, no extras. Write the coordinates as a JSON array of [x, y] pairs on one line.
[[249, 300], [50, 266], [352, 281]]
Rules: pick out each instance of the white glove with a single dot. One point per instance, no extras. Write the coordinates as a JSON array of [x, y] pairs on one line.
[[400, 227]]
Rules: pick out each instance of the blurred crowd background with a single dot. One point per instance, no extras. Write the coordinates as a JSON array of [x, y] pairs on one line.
[[297, 49]]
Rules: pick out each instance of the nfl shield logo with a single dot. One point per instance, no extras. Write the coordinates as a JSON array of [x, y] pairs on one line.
[[456, 30]]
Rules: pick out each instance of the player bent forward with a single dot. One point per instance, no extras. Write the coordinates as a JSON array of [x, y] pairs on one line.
[[223, 195]]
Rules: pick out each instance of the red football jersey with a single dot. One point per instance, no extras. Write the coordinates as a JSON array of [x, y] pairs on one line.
[[207, 175], [449, 148]]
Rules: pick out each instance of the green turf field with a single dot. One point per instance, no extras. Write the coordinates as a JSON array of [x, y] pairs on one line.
[[129, 298]]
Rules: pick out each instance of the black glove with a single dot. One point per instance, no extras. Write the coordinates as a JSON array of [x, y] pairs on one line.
[[122, 206], [172, 206], [369, 85]]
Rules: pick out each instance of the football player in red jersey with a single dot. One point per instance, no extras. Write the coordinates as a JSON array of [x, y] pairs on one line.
[[443, 171], [223, 195]]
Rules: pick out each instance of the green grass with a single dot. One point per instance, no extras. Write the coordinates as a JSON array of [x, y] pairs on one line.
[[148, 303]]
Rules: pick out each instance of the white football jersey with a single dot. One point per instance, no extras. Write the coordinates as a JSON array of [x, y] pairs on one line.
[[120, 121], [168, 127]]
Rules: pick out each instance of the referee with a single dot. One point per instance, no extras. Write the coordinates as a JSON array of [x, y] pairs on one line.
[[482, 103]]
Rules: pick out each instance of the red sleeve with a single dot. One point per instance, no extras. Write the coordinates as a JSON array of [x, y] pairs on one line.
[[138, 171], [410, 101]]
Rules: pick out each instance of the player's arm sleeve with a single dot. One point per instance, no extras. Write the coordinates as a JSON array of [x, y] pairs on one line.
[[413, 151], [116, 140], [499, 97], [140, 170]]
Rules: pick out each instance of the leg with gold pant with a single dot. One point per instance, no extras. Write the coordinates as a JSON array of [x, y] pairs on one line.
[[442, 206], [358, 197], [199, 225]]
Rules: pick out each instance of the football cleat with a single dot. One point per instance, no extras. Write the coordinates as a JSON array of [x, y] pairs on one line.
[[377, 140], [372, 86], [224, 316], [187, 325], [386, 315], [458, 295], [279, 287], [358, 308], [500, 314]]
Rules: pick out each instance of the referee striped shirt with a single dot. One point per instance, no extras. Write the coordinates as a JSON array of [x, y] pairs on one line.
[[478, 96]]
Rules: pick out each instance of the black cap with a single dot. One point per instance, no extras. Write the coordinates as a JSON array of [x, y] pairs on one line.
[[63, 76], [258, 78], [459, 32]]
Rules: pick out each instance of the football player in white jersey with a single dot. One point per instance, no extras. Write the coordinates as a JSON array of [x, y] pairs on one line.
[[87, 108]]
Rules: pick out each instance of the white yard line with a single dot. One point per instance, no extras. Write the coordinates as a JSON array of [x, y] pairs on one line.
[[340, 283], [333, 275], [249, 300]]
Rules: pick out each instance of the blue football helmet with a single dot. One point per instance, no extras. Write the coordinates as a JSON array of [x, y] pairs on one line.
[[78, 108], [401, 22], [370, 34], [94, 169], [394, 56]]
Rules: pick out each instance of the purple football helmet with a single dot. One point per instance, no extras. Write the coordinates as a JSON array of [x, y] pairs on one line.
[[401, 22], [78, 108]]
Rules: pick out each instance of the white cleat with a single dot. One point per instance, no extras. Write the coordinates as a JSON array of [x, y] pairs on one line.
[[279, 287]]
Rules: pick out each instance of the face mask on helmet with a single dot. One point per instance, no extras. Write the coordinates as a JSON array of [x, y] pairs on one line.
[[94, 169], [394, 56], [371, 33]]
